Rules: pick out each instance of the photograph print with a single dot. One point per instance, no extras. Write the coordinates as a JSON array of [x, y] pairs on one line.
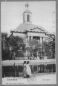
[[28, 32]]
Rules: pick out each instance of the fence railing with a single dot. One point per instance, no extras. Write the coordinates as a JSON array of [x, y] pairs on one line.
[[31, 62]]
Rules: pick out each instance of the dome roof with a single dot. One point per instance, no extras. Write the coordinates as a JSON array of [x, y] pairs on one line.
[[23, 27]]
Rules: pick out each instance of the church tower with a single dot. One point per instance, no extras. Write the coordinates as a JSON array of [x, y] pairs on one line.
[[27, 15]]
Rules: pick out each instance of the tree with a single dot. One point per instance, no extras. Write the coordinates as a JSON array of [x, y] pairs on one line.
[[17, 45], [34, 47], [49, 48], [14, 47], [5, 48]]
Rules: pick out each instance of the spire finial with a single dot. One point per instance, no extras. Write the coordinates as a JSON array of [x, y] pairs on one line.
[[27, 5]]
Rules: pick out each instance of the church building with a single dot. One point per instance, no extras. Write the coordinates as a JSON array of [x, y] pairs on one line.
[[28, 32]]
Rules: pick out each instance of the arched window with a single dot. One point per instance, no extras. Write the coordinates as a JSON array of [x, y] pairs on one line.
[[28, 18]]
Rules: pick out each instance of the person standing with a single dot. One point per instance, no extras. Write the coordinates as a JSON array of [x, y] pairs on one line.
[[27, 70], [24, 70]]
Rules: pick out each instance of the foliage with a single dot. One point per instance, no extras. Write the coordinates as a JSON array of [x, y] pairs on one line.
[[49, 48], [34, 47], [14, 47]]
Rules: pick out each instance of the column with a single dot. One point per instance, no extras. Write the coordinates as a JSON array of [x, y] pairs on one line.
[[31, 37], [32, 68], [38, 39], [26, 53], [28, 38], [37, 55], [37, 69], [41, 40]]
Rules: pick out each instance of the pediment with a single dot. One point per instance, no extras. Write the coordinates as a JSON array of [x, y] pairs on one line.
[[37, 29]]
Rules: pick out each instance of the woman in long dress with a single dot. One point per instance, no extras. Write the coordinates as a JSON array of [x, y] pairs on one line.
[[27, 70]]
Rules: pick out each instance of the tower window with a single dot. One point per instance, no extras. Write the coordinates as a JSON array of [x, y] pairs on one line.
[[28, 18]]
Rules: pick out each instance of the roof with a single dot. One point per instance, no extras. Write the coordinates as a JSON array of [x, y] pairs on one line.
[[29, 27]]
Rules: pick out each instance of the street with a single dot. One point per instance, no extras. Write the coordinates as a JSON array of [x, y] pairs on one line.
[[34, 79]]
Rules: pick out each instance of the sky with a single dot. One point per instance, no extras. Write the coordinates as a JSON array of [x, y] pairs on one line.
[[43, 14]]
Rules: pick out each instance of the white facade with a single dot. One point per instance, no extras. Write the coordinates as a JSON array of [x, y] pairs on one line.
[[29, 31]]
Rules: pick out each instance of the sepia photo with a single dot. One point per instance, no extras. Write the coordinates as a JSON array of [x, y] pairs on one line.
[[28, 32]]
